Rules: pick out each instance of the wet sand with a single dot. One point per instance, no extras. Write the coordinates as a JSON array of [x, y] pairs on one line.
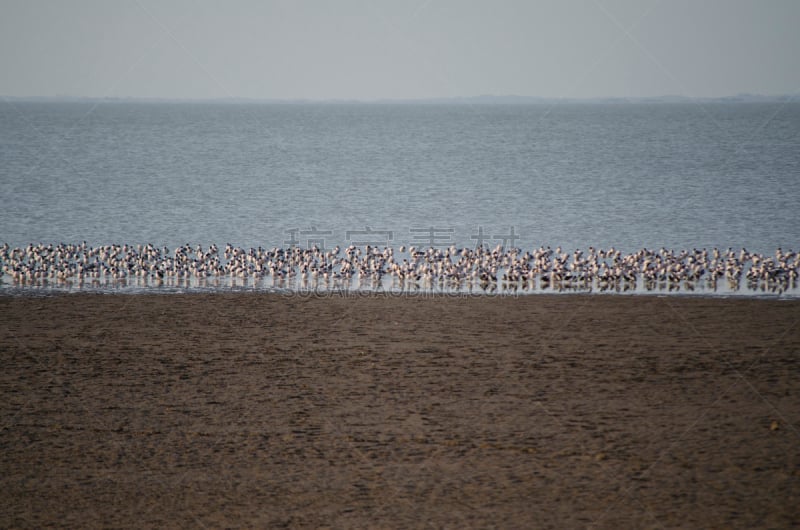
[[259, 410]]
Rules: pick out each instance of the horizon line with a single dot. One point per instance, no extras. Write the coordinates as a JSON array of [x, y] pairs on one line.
[[483, 98]]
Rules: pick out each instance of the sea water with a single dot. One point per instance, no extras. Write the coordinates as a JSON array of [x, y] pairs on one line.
[[674, 175]]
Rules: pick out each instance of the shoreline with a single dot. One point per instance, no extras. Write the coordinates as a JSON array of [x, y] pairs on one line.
[[254, 409], [47, 292]]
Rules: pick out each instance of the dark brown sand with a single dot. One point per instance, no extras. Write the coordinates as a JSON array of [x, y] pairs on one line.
[[236, 410]]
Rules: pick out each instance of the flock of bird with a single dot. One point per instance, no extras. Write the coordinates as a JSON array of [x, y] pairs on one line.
[[480, 269]]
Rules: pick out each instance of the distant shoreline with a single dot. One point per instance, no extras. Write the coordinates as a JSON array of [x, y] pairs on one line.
[[470, 100]]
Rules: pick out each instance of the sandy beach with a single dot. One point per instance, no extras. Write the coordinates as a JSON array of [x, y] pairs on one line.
[[261, 410]]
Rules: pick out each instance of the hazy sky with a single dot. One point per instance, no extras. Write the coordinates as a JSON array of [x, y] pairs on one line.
[[368, 49]]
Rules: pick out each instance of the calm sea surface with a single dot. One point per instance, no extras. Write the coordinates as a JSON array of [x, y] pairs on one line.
[[633, 175]]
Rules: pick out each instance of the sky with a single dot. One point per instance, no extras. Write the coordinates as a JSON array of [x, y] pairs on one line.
[[388, 49]]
